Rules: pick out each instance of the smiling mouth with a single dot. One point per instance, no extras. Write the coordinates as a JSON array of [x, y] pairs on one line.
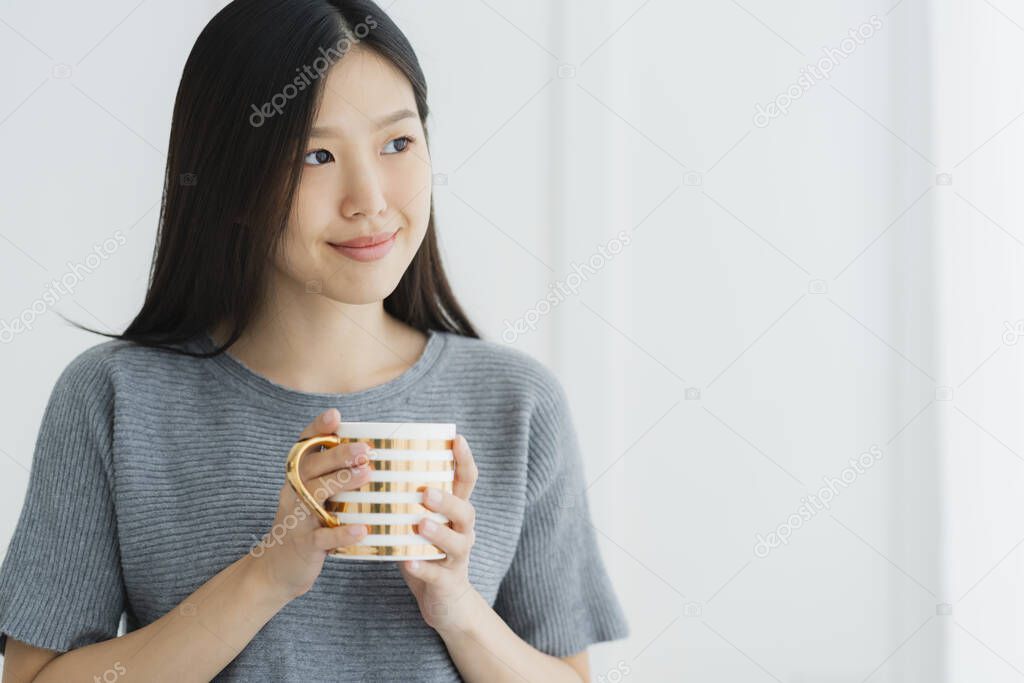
[[377, 249], [366, 240]]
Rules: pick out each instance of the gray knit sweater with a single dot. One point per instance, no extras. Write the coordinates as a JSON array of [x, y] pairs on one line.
[[153, 471]]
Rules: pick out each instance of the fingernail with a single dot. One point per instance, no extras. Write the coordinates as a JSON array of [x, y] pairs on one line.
[[428, 524], [433, 496], [328, 414], [357, 530]]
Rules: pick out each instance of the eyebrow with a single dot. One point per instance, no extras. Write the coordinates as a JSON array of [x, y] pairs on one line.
[[386, 120]]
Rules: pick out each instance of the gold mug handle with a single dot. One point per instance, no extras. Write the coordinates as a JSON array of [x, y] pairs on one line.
[[301, 448]]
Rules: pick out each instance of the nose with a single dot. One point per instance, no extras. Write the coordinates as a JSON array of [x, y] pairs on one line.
[[363, 193]]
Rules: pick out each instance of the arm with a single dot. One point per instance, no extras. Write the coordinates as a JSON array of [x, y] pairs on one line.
[[198, 637], [480, 643], [488, 650], [192, 642], [556, 596]]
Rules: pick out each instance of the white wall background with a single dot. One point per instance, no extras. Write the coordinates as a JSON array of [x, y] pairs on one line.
[[792, 294]]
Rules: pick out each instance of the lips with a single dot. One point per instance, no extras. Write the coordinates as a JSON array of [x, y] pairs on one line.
[[373, 247], [366, 240]]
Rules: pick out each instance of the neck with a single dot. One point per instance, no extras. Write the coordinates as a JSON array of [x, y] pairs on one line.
[[314, 344]]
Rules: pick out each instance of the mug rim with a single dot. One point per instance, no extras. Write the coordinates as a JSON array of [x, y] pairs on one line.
[[396, 430]]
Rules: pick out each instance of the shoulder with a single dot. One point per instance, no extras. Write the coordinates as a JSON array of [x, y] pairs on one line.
[[114, 365], [90, 370], [81, 408], [504, 368], [531, 397], [527, 393]]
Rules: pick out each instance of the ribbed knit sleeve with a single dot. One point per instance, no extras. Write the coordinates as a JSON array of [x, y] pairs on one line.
[[61, 583], [557, 595]]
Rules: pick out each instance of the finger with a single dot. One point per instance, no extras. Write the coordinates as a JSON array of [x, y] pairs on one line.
[[316, 463], [428, 571], [461, 512], [465, 468], [453, 543], [324, 423], [345, 479], [326, 538]]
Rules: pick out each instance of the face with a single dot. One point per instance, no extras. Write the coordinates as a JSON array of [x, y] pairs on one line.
[[366, 177]]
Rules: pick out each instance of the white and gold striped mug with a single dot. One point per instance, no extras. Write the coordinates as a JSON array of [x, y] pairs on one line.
[[405, 459]]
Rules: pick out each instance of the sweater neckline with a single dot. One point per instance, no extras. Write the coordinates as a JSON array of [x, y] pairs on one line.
[[249, 379]]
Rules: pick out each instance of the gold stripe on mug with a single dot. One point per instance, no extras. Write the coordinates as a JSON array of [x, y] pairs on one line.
[[412, 465], [404, 444], [401, 550], [390, 508], [392, 529], [403, 486]]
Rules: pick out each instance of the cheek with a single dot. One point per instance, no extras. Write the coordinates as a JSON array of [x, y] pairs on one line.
[[301, 234], [412, 197], [311, 206]]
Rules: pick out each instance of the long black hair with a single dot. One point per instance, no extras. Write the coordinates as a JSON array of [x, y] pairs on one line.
[[234, 161]]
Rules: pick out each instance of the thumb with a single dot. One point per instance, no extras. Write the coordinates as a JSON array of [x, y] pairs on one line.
[[324, 423]]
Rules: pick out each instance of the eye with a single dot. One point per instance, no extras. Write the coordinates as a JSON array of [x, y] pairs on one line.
[[321, 156], [407, 141]]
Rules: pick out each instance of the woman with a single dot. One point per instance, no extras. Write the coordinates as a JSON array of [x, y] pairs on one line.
[[297, 232]]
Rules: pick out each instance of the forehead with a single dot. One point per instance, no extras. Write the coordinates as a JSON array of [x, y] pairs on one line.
[[361, 87]]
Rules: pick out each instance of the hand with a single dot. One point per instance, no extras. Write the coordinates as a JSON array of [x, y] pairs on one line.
[[291, 555], [442, 587]]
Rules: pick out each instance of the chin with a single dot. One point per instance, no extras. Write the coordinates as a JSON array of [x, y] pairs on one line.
[[359, 295]]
